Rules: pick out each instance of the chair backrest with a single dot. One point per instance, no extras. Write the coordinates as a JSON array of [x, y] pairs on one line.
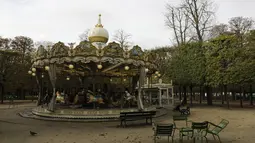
[[180, 118], [199, 125], [221, 125], [166, 129]]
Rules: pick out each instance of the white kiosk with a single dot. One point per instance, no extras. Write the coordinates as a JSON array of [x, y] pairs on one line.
[[158, 94]]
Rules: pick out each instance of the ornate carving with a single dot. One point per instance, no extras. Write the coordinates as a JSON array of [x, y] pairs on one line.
[[41, 52], [136, 52], [113, 50], [59, 50], [85, 48]]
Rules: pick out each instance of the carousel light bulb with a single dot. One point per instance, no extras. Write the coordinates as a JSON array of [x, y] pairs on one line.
[[67, 78], [126, 68], [34, 69], [42, 75], [29, 72], [156, 72], [47, 68], [33, 74], [159, 74], [71, 66], [124, 79], [155, 76], [99, 66], [111, 79], [146, 70]]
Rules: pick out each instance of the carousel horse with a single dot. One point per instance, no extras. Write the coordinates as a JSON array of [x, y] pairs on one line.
[[94, 98], [128, 96], [60, 98]]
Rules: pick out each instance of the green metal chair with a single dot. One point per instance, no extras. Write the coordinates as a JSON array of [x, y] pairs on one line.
[[163, 130], [216, 129], [183, 118], [198, 130]]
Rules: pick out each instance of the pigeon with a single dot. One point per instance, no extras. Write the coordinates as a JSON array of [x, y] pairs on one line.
[[32, 133]]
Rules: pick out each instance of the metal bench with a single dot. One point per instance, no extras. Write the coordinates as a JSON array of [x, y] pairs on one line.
[[132, 116]]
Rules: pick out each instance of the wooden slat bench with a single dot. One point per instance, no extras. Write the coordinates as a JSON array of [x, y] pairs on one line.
[[133, 116]]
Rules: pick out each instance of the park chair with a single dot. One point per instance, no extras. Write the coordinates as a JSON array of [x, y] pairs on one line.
[[163, 130], [216, 129], [198, 130], [177, 118]]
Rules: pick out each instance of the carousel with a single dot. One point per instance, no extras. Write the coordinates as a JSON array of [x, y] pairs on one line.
[[94, 79]]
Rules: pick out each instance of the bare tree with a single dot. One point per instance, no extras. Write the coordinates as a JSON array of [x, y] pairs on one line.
[[176, 18], [241, 25], [218, 30], [85, 35], [123, 38], [201, 15]]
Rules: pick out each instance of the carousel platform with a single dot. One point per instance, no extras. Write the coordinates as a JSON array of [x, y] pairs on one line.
[[83, 115]]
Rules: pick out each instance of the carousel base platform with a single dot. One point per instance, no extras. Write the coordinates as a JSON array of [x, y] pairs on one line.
[[83, 115]]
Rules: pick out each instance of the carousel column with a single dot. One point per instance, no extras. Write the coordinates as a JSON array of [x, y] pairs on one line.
[[39, 83], [141, 83], [167, 95], [150, 87], [172, 89], [160, 98], [53, 78]]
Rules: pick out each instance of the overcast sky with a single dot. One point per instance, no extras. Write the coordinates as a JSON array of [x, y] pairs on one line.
[[64, 20]]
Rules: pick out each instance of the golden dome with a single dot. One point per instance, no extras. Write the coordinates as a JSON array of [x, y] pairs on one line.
[[98, 33]]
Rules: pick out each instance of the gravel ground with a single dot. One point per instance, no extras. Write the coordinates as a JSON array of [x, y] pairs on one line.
[[15, 129]]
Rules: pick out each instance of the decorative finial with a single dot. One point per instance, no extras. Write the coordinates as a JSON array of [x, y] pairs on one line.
[[99, 24]]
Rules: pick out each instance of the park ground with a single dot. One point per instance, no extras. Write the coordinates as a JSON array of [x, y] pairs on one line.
[[15, 129]]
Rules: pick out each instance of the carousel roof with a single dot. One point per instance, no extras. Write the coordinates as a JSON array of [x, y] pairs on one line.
[[98, 33], [112, 59]]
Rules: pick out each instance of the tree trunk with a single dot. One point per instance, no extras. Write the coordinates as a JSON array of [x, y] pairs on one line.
[[242, 92], [201, 94], [2, 92], [191, 94], [234, 95], [209, 95], [225, 88], [251, 96], [184, 95], [180, 93], [222, 96]]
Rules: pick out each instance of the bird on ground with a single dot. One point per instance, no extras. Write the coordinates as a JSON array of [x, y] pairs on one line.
[[32, 133]]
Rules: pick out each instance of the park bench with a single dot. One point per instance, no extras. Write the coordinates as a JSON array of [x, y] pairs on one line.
[[216, 129], [166, 130], [132, 116]]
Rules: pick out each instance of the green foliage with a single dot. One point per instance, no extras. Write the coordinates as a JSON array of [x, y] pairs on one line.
[[186, 66], [15, 61], [221, 54], [219, 61]]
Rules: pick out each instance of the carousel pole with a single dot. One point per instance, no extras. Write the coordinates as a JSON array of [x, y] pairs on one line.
[[39, 83], [141, 83], [53, 78]]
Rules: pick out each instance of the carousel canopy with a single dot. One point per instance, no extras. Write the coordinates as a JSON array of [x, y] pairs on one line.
[[87, 59]]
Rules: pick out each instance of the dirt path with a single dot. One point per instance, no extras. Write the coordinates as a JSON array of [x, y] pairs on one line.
[[15, 129]]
